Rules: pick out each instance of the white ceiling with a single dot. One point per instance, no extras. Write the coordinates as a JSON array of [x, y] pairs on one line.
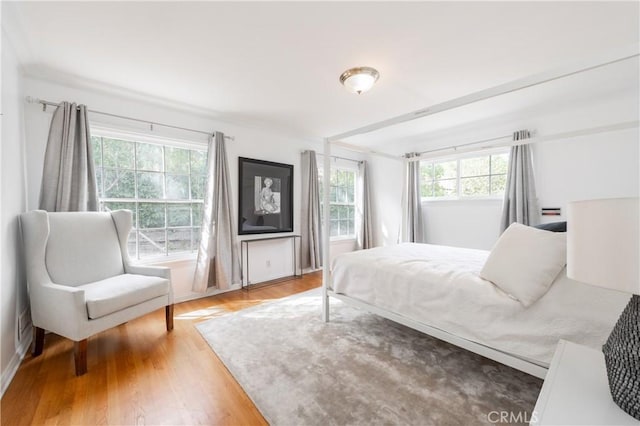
[[277, 64]]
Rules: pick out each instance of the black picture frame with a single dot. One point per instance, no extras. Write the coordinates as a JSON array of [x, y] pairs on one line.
[[265, 197]]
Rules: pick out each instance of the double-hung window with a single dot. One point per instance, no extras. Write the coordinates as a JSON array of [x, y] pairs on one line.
[[163, 185], [469, 177], [342, 202]]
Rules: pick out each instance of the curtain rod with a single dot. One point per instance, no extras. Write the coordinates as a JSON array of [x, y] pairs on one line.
[[537, 139], [336, 157], [150, 123], [455, 147]]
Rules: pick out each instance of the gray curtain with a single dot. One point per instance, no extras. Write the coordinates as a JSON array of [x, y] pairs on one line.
[[68, 176], [311, 235], [520, 200], [365, 231], [217, 263], [414, 228]]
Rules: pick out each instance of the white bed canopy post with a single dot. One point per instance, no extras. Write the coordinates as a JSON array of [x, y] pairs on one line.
[[326, 229]]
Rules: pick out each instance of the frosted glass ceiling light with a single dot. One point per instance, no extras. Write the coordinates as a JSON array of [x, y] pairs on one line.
[[359, 79]]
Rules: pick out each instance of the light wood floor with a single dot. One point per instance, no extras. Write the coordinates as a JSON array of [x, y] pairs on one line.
[[140, 374]]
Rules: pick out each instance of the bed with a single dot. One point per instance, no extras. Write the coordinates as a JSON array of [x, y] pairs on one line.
[[370, 280], [438, 290]]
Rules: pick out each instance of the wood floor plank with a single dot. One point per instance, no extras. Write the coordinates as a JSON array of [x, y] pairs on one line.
[[140, 374]]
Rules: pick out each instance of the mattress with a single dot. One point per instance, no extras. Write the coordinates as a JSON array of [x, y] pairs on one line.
[[441, 287]]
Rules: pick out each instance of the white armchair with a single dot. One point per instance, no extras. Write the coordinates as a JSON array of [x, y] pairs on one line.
[[81, 280]]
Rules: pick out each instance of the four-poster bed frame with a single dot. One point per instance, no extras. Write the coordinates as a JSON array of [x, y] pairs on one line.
[[528, 366]]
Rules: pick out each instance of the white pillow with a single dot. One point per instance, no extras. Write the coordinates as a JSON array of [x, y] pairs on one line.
[[525, 261]]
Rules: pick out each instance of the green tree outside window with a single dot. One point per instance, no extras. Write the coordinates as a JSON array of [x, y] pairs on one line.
[[162, 185]]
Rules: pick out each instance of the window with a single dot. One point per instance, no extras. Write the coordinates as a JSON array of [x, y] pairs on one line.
[[342, 202], [162, 185], [473, 177]]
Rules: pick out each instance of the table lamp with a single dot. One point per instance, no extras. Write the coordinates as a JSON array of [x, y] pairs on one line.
[[602, 250]]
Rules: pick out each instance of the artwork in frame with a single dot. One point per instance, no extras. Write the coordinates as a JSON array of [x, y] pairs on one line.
[[265, 202]]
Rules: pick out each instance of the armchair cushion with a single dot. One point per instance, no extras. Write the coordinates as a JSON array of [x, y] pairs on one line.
[[122, 291], [82, 247]]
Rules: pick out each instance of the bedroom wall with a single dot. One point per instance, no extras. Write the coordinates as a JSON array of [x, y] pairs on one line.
[[249, 142], [386, 187], [13, 291], [471, 224], [595, 166]]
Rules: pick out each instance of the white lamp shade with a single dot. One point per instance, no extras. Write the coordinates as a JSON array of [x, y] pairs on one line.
[[359, 79], [359, 83], [603, 240]]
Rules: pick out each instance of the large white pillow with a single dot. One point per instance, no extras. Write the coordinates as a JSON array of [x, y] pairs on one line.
[[525, 261]]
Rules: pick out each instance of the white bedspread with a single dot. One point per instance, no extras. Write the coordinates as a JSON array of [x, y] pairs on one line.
[[440, 286]]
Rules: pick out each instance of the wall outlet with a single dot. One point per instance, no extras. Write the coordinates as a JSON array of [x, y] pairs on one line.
[[24, 322], [268, 263]]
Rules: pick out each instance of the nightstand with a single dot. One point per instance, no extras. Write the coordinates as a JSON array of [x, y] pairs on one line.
[[576, 391]]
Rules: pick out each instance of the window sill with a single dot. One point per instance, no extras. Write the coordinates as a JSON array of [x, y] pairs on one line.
[[158, 260], [456, 200], [349, 238]]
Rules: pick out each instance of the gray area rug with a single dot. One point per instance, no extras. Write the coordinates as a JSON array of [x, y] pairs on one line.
[[360, 369]]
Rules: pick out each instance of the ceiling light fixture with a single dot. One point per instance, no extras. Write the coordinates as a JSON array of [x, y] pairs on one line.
[[359, 79]]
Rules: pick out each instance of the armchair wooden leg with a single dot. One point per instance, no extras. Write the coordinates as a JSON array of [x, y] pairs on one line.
[[168, 310], [38, 341], [80, 356]]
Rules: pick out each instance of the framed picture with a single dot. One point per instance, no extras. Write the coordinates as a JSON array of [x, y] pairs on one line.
[[265, 203]]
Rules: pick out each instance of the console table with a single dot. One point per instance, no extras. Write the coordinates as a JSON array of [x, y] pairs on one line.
[[576, 391], [244, 249]]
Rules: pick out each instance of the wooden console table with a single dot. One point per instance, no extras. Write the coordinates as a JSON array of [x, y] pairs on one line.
[[244, 247]]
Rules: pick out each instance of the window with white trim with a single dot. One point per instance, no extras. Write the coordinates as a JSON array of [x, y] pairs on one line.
[[342, 202], [163, 185], [470, 177]]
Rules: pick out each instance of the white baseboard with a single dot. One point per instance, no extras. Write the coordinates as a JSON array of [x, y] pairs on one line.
[[14, 364], [211, 292]]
